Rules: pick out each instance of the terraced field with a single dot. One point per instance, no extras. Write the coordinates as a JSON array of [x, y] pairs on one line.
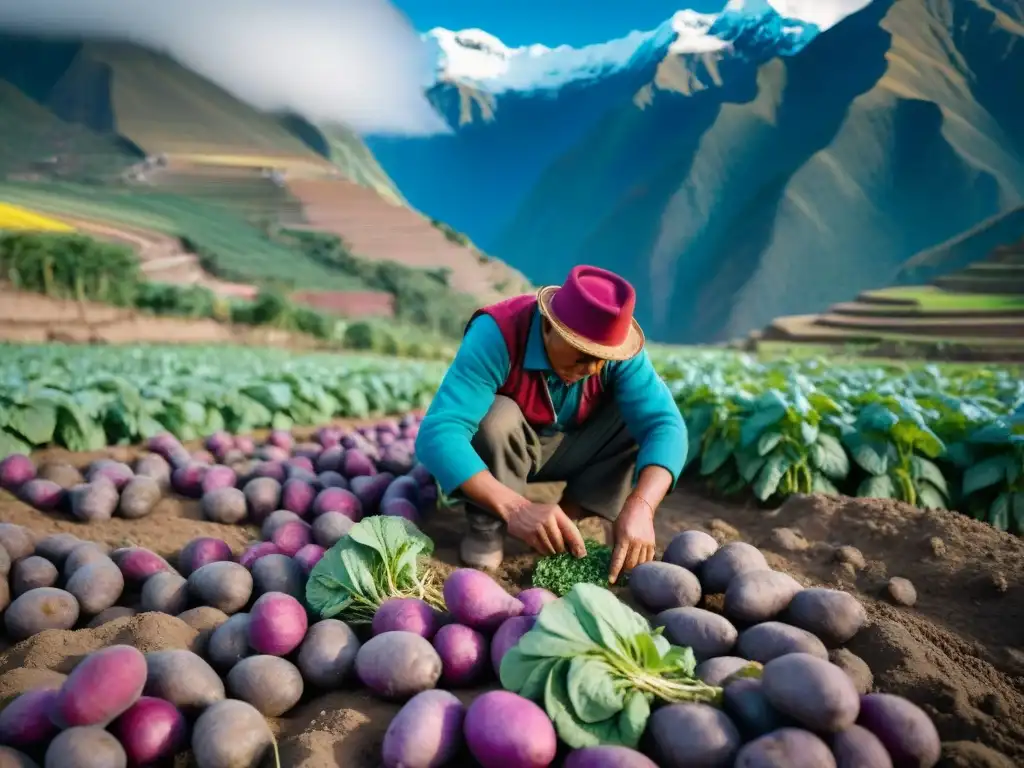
[[977, 311]]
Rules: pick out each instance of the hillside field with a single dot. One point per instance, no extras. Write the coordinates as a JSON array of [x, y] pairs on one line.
[[939, 593]]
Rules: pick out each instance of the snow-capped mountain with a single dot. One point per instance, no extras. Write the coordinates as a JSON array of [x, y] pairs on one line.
[[751, 27], [770, 159]]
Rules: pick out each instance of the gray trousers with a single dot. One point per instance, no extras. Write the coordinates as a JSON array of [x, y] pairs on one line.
[[597, 460]]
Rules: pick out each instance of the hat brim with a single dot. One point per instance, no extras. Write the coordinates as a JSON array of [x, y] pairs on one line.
[[628, 349]]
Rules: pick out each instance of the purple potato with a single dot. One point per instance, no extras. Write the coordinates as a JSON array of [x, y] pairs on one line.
[[331, 527], [15, 470], [275, 520], [338, 500], [357, 463], [263, 495], [369, 489], [327, 656], [463, 653], [683, 735], [786, 748], [610, 756], [534, 599], [857, 747], [767, 641], [426, 732], [32, 572], [188, 480], [255, 551], [707, 633], [218, 476], [44, 495], [507, 636], [297, 496], [908, 734], [202, 551], [116, 472]]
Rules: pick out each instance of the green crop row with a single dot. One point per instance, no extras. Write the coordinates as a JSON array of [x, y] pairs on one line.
[[935, 438], [85, 398], [930, 436]]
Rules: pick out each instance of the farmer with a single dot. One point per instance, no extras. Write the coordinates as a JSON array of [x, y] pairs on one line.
[[553, 387]]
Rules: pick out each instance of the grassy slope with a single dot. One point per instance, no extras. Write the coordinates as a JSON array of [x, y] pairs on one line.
[[30, 134], [243, 252], [802, 187]]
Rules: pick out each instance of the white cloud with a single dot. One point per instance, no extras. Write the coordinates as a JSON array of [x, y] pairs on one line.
[[353, 61]]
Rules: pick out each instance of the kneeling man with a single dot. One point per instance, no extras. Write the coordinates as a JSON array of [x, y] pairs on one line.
[[556, 387]]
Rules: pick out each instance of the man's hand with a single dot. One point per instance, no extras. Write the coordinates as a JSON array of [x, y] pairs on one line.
[[547, 529], [634, 537]]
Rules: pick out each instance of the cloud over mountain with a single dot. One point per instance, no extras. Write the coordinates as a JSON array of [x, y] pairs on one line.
[[352, 61]]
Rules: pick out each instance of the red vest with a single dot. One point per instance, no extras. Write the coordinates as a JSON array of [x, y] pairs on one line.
[[529, 389]]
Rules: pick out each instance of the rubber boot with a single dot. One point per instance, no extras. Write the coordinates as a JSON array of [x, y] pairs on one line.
[[483, 546]]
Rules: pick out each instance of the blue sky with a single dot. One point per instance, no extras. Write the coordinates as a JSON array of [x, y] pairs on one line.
[[549, 22]]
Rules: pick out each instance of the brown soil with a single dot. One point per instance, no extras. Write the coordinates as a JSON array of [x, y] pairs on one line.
[[31, 318], [957, 652]]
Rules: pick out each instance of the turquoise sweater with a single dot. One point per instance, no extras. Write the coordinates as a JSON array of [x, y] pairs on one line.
[[478, 371]]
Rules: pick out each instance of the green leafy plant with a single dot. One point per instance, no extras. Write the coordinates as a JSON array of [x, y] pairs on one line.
[[775, 443], [596, 667], [893, 444], [380, 558], [560, 573], [993, 483]]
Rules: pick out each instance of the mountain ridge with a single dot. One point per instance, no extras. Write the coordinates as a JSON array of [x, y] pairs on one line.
[[736, 188]]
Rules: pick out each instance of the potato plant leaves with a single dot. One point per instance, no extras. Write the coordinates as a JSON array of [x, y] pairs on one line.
[[596, 666], [380, 558]]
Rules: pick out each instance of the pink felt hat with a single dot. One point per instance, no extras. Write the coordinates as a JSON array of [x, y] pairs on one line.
[[593, 311]]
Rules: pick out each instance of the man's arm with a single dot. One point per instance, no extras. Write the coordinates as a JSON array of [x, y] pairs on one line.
[[653, 419], [444, 441]]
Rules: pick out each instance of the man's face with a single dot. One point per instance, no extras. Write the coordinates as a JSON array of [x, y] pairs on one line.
[[569, 363]]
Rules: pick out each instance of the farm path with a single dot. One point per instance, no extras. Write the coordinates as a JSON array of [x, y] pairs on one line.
[[957, 652]]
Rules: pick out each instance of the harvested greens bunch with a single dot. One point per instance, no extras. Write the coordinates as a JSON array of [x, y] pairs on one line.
[[597, 666], [380, 558], [560, 573]]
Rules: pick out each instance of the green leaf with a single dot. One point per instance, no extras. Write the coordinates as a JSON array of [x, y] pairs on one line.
[[767, 442], [985, 474], [870, 454], [809, 432], [715, 456], [822, 484], [828, 455], [592, 690], [573, 731], [558, 632], [11, 444], [877, 487], [608, 621], [753, 426], [999, 512], [749, 463], [927, 470], [770, 476], [36, 422], [1017, 510], [930, 497]]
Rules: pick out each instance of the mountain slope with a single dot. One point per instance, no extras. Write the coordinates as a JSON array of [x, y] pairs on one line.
[[864, 149], [124, 101], [737, 185], [172, 141], [515, 111]]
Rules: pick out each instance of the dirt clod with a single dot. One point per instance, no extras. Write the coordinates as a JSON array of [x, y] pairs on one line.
[[851, 556], [938, 546], [789, 540], [855, 667], [901, 591]]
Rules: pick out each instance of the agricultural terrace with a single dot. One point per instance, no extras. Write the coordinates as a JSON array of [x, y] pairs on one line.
[[231, 557]]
